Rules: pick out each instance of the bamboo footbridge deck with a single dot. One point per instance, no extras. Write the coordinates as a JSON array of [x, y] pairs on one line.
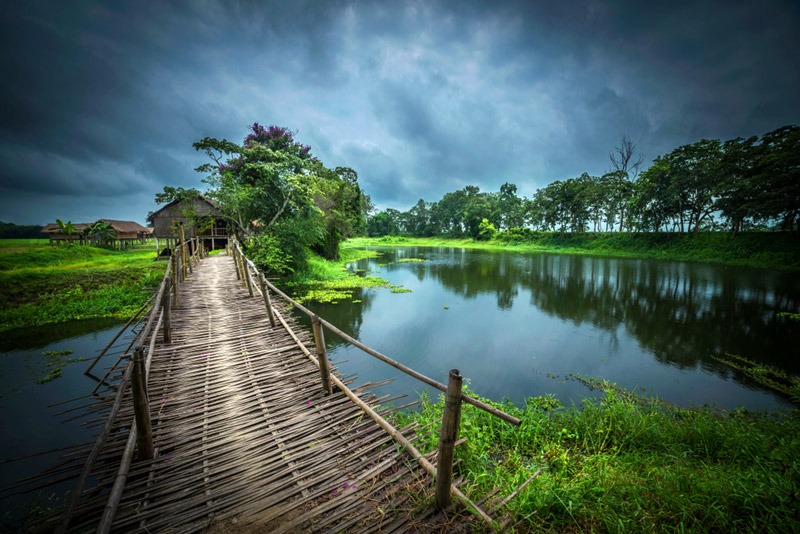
[[225, 421]]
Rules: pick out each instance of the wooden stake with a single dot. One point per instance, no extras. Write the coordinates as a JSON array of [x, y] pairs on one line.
[[322, 355], [246, 271], [175, 279], [267, 301], [447, 439], [235, 255], [166, 303], [183, 253], [141, 407]]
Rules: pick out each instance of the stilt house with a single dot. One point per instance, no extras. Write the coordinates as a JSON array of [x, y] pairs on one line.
[[201, 217]]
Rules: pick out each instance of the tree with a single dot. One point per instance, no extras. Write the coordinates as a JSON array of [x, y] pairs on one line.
[[175, 193], [512, 212], [101, 233], [681, 187], [777, 177], [738, 192], [623, 158], [66, 227], [277, 194]]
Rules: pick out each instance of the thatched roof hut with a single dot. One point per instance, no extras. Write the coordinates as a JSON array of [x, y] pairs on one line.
[[126, 230], [56, 234]]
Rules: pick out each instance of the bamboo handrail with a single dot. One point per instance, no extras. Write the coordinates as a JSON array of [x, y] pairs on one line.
[[101, 438], [111, 343], [394, 363], [391, 430]]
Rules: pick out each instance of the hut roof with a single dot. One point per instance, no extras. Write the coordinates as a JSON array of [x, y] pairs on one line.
[[124, 226], [54, 228], [210, 202]]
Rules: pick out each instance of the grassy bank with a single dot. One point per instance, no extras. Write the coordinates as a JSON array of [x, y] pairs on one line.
[[627, 463], [42, 284], [330, 281], [757, 249]]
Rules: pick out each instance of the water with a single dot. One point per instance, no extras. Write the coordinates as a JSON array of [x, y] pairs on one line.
[[26, 415], [518, 325]]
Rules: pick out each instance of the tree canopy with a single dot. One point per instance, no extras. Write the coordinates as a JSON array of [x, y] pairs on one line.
[[281, 200], [738, 184]]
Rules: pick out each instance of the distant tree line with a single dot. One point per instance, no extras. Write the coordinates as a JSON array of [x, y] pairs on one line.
[[15, 231], [735, 185]]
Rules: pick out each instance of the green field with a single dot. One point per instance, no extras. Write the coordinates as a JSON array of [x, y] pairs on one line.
[[43, 284]]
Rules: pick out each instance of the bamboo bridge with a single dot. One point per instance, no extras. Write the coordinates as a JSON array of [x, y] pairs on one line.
[[224, 415]]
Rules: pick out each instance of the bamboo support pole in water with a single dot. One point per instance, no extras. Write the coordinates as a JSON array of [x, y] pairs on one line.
[[447, 439], [322, 355], [166, 304], [267, 301], [141, 407]]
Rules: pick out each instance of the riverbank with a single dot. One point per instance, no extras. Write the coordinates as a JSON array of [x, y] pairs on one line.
[[43, 284], [626, 462], [769, 250]]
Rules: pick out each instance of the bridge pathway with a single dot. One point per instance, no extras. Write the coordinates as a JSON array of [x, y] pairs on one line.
[[246, 441]]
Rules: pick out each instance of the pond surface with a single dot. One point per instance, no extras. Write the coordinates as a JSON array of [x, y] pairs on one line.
[[28, 407], [519, 324]]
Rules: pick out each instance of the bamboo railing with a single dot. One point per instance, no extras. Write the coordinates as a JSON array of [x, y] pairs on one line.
[[141, 434], [246, 270]]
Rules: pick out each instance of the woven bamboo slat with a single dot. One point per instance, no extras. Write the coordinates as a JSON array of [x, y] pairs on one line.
[[243, 434]]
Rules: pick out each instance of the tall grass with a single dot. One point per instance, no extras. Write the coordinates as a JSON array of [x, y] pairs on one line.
[[623, 463]]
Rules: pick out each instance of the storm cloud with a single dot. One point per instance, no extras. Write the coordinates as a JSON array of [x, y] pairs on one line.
[[102, 100]]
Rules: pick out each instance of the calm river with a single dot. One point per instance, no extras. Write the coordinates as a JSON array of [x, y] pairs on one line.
[[28, 408], [518, 325]]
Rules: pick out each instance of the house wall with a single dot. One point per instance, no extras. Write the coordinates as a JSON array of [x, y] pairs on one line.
[[165, 222]]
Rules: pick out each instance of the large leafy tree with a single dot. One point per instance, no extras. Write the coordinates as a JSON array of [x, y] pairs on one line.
[[279, 196], [777, 177]]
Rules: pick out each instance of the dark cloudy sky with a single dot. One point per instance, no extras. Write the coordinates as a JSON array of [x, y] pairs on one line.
[[101, 101]]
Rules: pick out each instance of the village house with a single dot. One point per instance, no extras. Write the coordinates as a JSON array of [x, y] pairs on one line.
[[200, 217], [57, 235], [120, 233]]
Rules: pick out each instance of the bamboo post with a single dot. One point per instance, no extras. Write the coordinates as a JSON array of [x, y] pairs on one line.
[[267, 300], [184, 259], [248, 276], [447, 439], [166, 303], [322, 355], [141, 407], [242, 266], [175, 280], [234, 253]]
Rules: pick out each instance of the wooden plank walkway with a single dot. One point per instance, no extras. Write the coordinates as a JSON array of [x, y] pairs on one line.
[[246, 441]]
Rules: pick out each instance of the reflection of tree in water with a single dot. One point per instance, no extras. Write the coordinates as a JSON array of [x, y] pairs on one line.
[[683, 313], [467, 274]]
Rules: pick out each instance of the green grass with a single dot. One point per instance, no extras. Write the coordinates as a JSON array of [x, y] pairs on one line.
[[43, 284], [756, 249], [627, 463]]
